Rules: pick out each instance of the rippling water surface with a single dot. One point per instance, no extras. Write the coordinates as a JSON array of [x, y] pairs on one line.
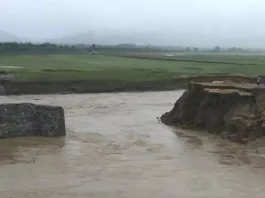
[[116, 147]]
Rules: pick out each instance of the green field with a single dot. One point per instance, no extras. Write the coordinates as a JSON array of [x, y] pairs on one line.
[[144, 68]]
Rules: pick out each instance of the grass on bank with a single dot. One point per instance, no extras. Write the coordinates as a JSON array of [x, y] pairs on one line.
[[101, 67]]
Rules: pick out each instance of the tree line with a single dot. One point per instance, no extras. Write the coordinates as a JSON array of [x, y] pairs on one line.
[[15, 47], [50, 48], [217, 49], [27, 47]]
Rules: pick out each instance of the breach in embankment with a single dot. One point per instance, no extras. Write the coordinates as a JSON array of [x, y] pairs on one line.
[[234, 111]]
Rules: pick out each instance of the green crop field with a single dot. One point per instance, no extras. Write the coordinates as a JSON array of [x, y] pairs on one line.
[[141, 67]]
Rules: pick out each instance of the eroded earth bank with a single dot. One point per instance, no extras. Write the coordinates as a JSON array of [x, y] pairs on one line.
[[14, 85], [236, 111]]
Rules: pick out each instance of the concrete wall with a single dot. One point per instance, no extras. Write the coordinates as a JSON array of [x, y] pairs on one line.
[[25, 119]]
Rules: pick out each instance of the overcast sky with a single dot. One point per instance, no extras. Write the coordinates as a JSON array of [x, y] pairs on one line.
[[190, 22]]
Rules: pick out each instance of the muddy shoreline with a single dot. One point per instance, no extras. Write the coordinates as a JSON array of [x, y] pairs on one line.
[[20, 87], [75, 87]]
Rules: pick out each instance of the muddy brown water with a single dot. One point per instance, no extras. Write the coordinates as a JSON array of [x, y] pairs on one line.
[[115, 147]]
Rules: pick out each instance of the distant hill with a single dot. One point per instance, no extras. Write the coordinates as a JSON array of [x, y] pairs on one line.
[[159, 37], [115, 37], [7, 37]]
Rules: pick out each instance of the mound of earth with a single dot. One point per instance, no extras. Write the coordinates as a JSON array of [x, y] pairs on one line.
[[234, 111]]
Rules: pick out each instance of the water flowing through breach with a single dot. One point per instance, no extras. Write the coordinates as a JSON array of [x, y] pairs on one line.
[[116, 147]]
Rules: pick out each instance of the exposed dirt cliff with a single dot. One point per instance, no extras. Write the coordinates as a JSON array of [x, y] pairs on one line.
[[235, 111]]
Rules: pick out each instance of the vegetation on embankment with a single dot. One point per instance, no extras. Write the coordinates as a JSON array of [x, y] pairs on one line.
[[200, 57], [102, 73]]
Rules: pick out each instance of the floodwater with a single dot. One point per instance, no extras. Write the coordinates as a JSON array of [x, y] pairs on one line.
[[116, 148]]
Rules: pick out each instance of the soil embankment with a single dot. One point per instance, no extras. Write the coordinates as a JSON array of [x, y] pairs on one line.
[[236, 111], [20, 86], [89, 86]]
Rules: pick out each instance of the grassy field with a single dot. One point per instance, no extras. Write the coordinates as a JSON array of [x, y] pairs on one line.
[[147, 67]]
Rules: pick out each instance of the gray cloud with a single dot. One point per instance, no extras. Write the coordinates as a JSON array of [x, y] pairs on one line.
[[189, 22]]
